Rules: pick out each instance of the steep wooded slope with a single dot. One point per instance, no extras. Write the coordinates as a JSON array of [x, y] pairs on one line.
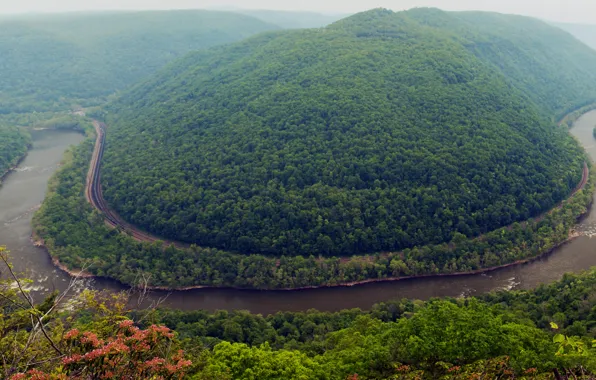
[[380, 132], [49, 61], [551, 67]]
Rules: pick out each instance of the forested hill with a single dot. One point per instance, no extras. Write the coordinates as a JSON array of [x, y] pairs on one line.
[[380, 132], [553, 68], [49, 62]]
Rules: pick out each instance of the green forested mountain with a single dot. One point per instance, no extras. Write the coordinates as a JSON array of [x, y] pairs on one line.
[[380, 132], [50, 61], [552, 68]]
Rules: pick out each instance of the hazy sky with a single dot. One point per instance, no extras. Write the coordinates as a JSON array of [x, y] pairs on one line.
[[583, 11]]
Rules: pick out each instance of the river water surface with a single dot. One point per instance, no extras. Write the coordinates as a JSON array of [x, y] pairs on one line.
[[24, 190]]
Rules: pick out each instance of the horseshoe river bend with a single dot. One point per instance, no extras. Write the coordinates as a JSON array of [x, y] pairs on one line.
[[23, 190]]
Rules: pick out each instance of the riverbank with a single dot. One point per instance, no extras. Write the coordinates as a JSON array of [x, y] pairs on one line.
[[82, 274], [11, 169], [569, 119]]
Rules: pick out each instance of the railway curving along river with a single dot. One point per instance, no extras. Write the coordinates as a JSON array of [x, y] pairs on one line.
[[23, 191]]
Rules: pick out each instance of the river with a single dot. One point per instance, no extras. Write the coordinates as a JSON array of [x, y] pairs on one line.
[[24, 189]]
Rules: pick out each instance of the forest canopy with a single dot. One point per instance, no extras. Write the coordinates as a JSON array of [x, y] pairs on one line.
[[380, 132]]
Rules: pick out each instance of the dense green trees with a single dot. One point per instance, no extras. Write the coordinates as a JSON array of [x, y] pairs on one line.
[[547, 65], [235, 170], [13, 145], [440, 332], [381, 132], [76, 235], [434, 339], [50, 62], [505, 335]]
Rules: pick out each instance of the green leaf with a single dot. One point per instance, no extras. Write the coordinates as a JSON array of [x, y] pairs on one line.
[[554, 326]]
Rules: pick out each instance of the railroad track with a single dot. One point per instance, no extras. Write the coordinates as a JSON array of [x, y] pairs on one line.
[[94, 194]]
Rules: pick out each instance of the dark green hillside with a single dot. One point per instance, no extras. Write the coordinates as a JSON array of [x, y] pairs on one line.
[[380, 132], [552, 67], [50, 61], [522, 48]]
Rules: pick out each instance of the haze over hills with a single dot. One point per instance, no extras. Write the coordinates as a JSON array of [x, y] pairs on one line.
[[293, 19], [380, 132], [49, 62], [583, 32]]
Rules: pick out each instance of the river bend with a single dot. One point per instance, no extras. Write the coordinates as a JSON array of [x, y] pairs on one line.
[[24, 189]]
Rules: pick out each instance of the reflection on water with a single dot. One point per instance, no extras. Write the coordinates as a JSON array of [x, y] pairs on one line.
[[23, 191]]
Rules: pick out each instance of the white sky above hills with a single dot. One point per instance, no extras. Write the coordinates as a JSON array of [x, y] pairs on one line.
[[576, 11]]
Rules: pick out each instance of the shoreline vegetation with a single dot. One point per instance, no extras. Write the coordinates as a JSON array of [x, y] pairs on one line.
[[13, 167], [14, 146], [83, 274], [60, 122], [569, 119], [108, 253]]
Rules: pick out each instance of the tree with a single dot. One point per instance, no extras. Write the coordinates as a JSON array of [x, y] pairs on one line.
[[43, 342]]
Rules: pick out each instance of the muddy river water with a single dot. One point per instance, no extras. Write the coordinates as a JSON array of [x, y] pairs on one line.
[[24, 189]]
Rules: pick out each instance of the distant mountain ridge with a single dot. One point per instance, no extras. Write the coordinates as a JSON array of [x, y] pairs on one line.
[[51, 61]]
